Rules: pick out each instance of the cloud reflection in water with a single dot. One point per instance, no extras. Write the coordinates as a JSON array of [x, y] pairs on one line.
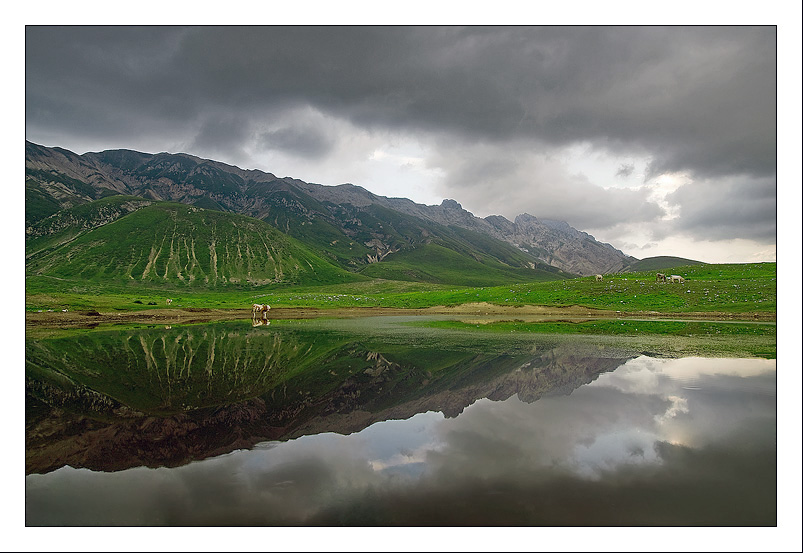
[[638, 446]]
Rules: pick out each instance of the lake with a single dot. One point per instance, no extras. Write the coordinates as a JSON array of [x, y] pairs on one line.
[[375, 421]]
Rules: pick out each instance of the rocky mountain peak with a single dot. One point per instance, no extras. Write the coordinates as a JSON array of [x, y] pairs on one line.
[[526, 219]]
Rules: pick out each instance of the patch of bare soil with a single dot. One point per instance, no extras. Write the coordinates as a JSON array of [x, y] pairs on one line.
[[88, 319]]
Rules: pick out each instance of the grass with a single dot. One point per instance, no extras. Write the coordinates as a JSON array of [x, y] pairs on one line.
[[437, 264], [173, 246], [616, 327], [727, 288]]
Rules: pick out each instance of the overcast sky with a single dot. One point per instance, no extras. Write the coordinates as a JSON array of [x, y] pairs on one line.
[[658, 140]]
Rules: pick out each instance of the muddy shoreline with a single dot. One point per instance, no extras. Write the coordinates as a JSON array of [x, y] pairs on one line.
[[72, 319]]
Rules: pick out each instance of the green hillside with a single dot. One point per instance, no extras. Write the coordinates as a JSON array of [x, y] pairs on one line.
[[440, 265], [176, 245], [409, 248], [66, 225], [40, 202], [661, 262]]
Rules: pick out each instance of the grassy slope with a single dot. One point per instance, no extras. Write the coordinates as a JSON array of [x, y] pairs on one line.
[[440, 265], [178, 246], [67, 224], [483, 260], [734, 288], [40, 204], [661, 263], [343, 234]]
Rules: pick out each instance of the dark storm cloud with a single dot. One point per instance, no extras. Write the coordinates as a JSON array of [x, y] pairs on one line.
[[305, 141], [699, 98], [738, 207], [105, 81], [221, 135], [694, 100]]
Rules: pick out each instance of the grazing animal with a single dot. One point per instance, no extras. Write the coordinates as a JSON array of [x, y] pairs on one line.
[[599, 278], [261, 309], [660, 277], [677, 278], [169, 301]]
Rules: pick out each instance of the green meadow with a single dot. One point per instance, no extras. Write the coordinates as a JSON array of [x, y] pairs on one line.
[[737, 289]]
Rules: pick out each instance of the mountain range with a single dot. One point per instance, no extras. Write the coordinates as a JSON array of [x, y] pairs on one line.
[[70, 198]]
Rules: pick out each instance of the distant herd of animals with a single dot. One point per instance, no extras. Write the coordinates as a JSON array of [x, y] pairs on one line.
[[659, 277]]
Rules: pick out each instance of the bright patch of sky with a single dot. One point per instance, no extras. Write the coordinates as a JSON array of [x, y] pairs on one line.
[[606, 170], [400, 170]]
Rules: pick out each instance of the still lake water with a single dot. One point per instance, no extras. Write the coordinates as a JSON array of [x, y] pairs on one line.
[[372, 422]]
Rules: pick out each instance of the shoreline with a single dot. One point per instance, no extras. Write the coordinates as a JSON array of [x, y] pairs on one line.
[[89, 318]]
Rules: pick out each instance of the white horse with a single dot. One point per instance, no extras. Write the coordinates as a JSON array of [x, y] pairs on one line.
[[599, 278], [677, 278]]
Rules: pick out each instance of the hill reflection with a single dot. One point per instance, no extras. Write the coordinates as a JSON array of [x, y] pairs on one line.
[[115, 399]]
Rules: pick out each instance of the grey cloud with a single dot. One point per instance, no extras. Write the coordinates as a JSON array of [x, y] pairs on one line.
[[718, 405], [625, 170], [105, 80], [723, 209], [512, 181], [304, 141], [221, 135], [699, 98]]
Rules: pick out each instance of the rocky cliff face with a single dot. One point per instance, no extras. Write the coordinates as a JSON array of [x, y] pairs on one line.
[[561, 245]]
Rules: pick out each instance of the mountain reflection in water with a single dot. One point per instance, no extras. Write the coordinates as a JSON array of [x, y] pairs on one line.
[[167, 396], [594, 436]]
